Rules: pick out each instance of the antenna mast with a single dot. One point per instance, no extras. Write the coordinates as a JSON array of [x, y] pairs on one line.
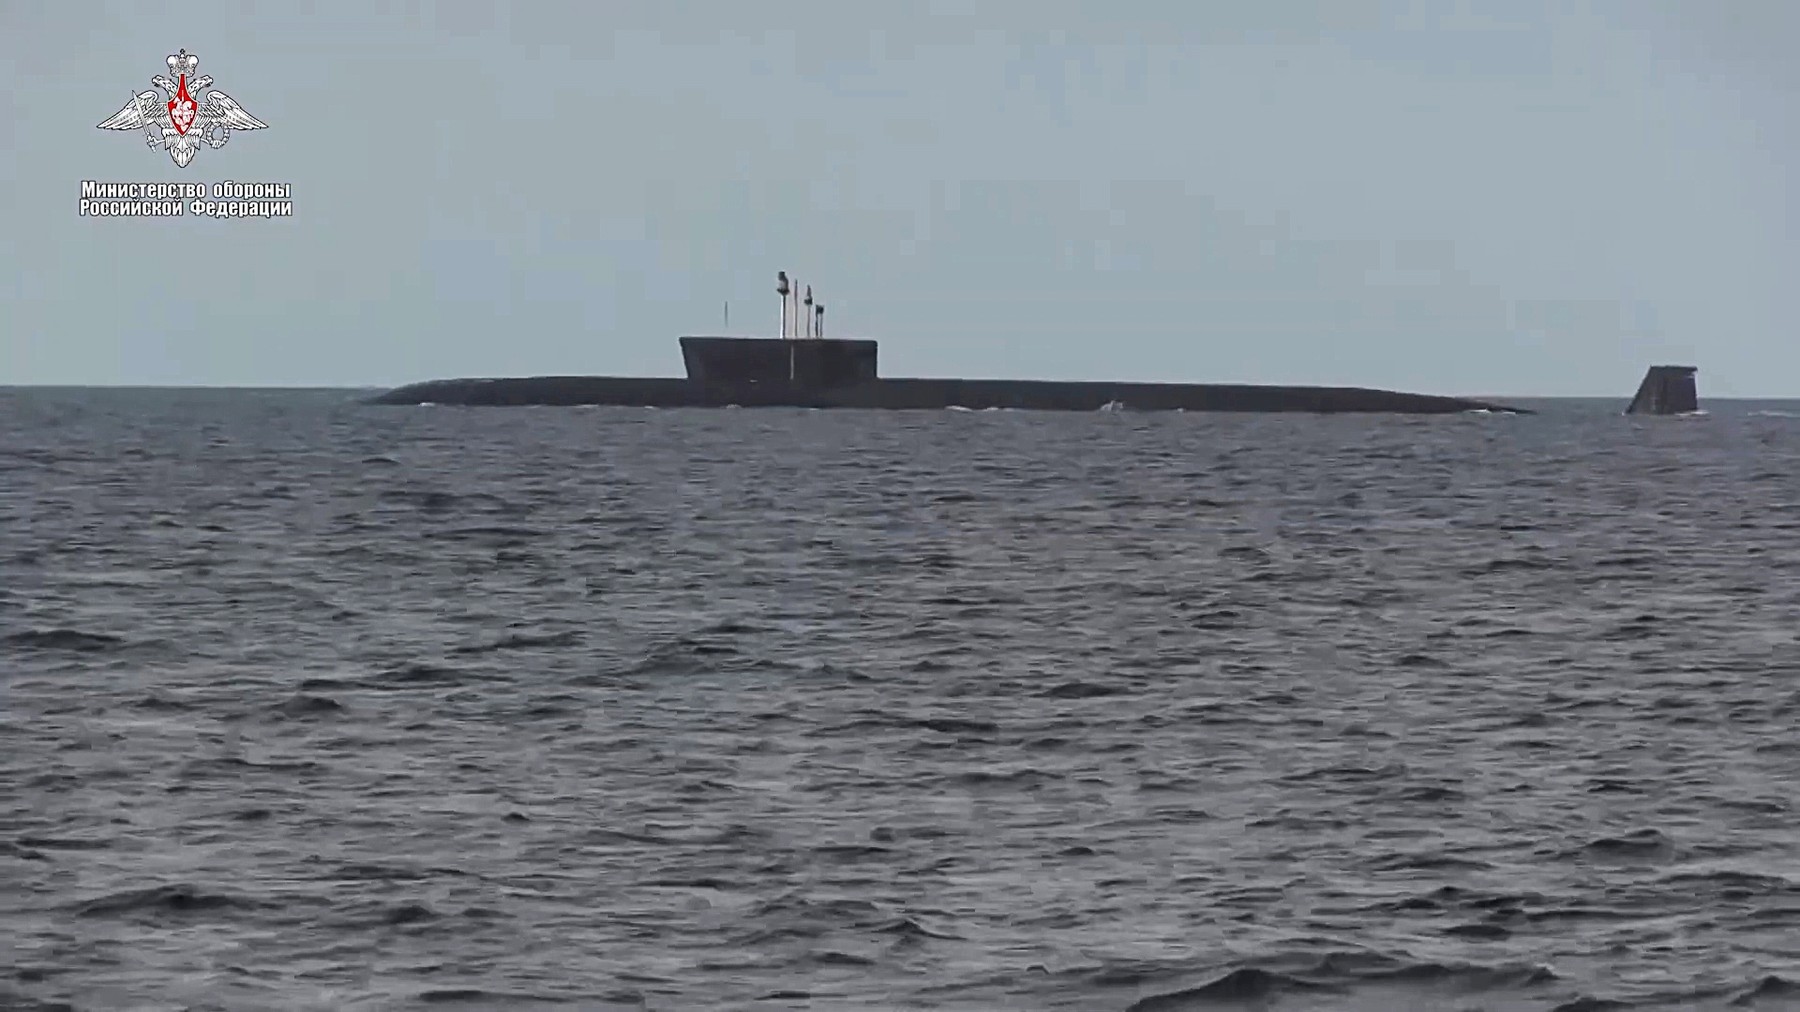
[[781, 289]]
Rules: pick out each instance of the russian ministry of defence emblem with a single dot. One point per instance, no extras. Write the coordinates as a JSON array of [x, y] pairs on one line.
[[179, 123]]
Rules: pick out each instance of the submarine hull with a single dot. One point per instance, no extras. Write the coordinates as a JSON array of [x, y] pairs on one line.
[[925, 394], [751, 372]]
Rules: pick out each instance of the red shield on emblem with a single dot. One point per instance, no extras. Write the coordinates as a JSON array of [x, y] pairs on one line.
[[181, 108]]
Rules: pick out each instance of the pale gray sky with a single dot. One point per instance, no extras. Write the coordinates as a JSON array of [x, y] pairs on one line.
[[1522, 198]]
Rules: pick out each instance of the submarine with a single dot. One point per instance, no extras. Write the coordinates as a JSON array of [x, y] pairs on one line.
[[802, 368]]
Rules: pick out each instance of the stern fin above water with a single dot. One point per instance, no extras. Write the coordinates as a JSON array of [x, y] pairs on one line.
[[1666, 390]]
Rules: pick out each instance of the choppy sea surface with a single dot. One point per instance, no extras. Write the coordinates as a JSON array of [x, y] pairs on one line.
[[313, 705]]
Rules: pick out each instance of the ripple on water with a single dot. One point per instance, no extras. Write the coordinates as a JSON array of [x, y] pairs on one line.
[[312, 705]]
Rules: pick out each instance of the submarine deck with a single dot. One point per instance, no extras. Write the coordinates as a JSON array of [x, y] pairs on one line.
[[924, 394]]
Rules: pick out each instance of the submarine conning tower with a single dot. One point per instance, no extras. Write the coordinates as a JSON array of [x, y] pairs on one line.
[[802, 356]]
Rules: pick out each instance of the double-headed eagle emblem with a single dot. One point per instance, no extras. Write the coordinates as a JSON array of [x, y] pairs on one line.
[[179, 123]]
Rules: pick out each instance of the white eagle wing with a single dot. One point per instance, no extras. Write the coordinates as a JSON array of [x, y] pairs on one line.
[[144, 109], [222, 108]]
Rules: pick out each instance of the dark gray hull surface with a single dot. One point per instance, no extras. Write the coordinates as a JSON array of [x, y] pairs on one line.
[[918, 394], [1666, 390]]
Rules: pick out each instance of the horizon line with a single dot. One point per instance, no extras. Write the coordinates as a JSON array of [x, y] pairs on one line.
[[358, 387]]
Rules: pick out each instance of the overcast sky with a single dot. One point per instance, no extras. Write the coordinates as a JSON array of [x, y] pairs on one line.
[[1515, 198]]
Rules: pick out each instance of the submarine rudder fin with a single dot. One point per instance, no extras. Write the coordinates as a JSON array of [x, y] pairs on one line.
[[1666, 390]]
